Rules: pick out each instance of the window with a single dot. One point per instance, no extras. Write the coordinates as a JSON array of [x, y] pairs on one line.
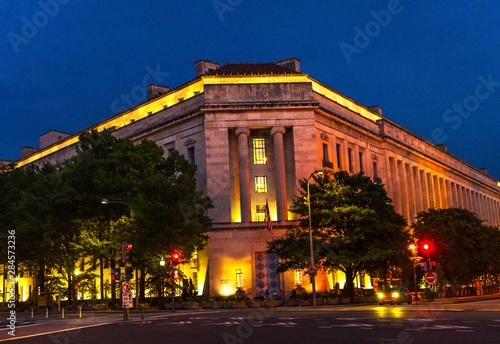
[[259, 152], [195, 259], [195, 280], [376, 178], [339, 156], [361, 162], [326, 158], [349, 156], [261, 184], [298, 277], [261, 213], [191, 155], [171, 151], [239, 278]]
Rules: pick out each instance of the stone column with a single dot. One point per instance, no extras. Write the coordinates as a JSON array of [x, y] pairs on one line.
[[279, 165], [245, 200]]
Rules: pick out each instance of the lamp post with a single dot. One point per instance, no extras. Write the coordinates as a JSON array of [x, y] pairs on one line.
[[413, 248], [76, 285], [107, 201], [162, 264], [313, 278]]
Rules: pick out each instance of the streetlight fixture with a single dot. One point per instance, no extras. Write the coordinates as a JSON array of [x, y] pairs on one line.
[[107, 201], [313, 277]]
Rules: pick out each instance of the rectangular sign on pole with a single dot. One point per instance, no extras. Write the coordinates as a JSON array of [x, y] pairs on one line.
[[127, 300]]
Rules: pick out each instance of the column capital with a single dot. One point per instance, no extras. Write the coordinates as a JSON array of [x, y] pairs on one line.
[[242, 130], [275, 130]]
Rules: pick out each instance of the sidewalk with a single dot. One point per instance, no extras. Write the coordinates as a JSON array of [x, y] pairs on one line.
[[463, 299]]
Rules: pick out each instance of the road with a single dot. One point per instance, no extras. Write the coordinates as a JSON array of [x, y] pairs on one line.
[[474, 322]]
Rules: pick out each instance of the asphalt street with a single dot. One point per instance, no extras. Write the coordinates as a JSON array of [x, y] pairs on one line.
[[474, 322]]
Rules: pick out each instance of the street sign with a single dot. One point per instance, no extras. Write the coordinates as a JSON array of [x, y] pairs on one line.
[[430, 277], [311, 271], [126, 287], [127, 300]]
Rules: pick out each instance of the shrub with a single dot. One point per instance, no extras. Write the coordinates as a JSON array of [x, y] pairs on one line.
[[429, 294]]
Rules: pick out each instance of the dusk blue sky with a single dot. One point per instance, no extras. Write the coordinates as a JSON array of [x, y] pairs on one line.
[[433, 66]]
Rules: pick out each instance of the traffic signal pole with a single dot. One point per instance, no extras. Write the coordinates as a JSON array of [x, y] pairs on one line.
[[172, 275]]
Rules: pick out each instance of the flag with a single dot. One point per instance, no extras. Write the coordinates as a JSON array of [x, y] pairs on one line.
[[268, 219]]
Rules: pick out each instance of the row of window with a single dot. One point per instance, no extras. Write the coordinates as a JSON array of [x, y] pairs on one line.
[[350, 157]]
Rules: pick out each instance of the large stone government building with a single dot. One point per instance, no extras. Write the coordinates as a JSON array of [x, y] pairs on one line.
[[252, 131]]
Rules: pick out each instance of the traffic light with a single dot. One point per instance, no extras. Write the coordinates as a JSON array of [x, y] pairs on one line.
[[115, 274], [126, 253], [129, 273], [425, 248], [432, 265], [175, 275], [175, 258]]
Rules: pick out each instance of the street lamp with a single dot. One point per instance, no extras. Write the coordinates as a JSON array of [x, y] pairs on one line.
[[313, 278], [107, 201], [75, 299], [161, 302], [413, 247]]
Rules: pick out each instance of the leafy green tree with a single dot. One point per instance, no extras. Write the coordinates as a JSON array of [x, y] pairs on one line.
[[59, 216], [462, 246], [355, 228]]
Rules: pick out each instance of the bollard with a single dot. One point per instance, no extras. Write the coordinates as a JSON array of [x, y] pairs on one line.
[[63, 313], [142, 312], [31, 313], [46, 313], [80, 312]]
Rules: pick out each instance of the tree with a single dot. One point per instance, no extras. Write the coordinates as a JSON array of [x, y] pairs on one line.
[[462, 246], [59, 216], [355, 228]]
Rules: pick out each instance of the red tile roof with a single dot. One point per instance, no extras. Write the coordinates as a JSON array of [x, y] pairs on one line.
[[251, 69]]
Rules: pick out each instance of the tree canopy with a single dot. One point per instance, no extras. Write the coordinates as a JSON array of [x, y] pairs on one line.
[[59, 219], [463, 247], [355, 228]]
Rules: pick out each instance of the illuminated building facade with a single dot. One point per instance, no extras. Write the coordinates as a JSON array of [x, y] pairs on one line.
[[252, 131]]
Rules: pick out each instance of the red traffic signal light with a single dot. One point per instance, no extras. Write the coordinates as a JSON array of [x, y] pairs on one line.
[[175, 258], [175, 275], [425, 248], [126, 252]]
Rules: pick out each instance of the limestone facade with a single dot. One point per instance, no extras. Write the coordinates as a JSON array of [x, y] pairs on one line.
[[253, 131]]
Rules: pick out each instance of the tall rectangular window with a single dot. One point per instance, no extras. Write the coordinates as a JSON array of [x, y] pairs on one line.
[[375, 170], [191, 155], [261, 213], [339, 156], [239, 278], [259, 152], [195, 280], [261, 184], [325, 152], [298, 277], [349, 156], [361, 169]]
